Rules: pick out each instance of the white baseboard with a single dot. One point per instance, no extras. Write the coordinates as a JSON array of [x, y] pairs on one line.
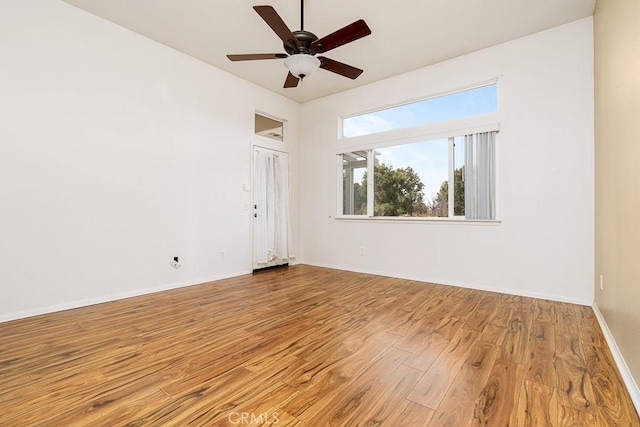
[[625, 372], [113, 297], [457, 284]]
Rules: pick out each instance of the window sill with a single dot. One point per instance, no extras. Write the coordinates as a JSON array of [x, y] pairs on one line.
[[406, 220]]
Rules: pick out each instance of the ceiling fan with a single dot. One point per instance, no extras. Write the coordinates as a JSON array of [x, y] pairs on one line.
[[302, 46]]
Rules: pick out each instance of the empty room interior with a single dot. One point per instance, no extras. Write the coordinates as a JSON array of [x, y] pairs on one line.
[[308, 213]]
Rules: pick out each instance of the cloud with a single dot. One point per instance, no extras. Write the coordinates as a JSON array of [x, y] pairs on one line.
[[365, 125]]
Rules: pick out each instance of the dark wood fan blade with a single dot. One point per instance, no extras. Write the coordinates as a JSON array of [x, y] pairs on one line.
[[278, 26], [339, 68], [256, 56], [291, 81], [344, 35]]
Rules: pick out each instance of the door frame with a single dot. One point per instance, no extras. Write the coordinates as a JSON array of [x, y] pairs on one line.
[[264, 147]]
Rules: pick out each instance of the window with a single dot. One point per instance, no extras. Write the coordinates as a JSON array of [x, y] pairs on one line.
[[455, 105], [268, 127], [414, 180], [404, 174]]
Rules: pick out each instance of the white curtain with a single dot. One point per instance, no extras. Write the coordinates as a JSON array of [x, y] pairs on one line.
[[263, 198], [479, 190], [274, 240]]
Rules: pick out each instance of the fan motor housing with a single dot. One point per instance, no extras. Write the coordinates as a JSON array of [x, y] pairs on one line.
[[305, 38]]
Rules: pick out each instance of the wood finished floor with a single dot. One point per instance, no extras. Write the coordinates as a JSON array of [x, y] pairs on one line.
[[308, 346]]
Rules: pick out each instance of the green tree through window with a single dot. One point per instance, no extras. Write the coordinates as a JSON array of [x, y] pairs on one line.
[[440, 202], [397, 192], [400, 192]]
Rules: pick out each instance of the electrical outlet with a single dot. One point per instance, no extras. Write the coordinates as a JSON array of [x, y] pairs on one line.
[[221, 254], [175, 264], [361, 250], [602, 282]]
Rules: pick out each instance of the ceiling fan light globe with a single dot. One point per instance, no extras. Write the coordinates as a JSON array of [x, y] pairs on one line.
[[302, 64]]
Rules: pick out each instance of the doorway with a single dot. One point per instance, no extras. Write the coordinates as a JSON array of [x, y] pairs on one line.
[[272, 237]]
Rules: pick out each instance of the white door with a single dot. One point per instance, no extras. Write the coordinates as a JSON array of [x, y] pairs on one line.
[[272, 239]]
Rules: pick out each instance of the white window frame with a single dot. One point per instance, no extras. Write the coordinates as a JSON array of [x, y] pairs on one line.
[[340, 169], [451, 182], [449, 129]]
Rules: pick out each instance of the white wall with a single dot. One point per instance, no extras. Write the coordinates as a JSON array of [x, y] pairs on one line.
[[543, 246], [117, 154]]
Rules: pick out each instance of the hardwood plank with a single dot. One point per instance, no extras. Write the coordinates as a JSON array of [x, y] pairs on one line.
[[481, 314], [518, 302], [90, 403], [565, 318], [123, 414], [515, 343], [501, 316], [590, 332], [497, 400], [610, 396], [418, 336], [346, 363], [493, 333], [424, 356], [544, 311], [450, 325], [318, 400], [371, 405], [571, 417], [409, 413], [574, 386], [433, 386], [457, 406], [539, 362], [537, 406]]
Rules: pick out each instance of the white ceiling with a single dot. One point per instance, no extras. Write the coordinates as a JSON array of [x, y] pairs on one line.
[[406, 34]]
